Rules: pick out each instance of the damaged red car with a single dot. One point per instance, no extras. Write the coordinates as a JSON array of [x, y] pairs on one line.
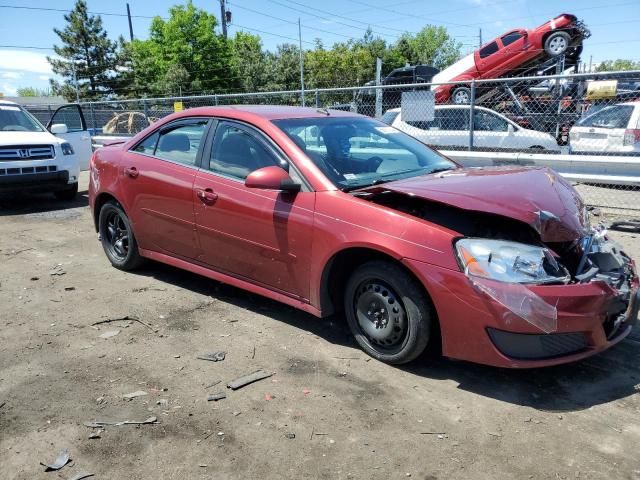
[[332, 212]]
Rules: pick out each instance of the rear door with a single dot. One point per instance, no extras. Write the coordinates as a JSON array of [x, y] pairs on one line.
[[491, 131], [77, 134], [514, 52], [488, 59], [603, 130], [158, 176], [263, 236], [454, 126]]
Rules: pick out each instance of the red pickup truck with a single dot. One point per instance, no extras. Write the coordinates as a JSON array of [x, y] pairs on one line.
[[509, 54]]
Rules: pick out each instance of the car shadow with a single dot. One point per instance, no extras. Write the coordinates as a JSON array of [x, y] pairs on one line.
[[609, 376], [47, 204]]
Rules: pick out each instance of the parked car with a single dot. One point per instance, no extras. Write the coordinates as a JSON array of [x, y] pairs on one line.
[[330, 211], [613, 128], [509, 53], [34, 159], [491, 130]]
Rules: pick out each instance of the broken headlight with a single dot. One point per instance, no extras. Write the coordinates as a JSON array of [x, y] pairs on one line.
[[506, 261]]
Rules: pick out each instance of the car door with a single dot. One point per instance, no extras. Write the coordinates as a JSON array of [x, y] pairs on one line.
[[492, 131], [158, 176], [454, 126], [488, 59], [263, 236], [77, 134], [514, 51]]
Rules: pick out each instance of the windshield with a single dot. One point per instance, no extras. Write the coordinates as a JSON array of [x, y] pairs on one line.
[[359, 152], [14, 119]]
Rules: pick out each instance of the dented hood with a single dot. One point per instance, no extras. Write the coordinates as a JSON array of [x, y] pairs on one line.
[[538, 197]]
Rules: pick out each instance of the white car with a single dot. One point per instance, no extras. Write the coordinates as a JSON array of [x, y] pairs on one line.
[[614, 128], [491, 130], [34, 159]]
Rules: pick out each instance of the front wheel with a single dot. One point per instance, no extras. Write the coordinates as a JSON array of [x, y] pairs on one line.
[[388, 313], [461, 96], [117, 237], [557, 44]]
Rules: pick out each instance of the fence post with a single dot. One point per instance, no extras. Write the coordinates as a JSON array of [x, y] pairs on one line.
[[145, 108], [317, 99], [215, 100], [472, 103], [49, 111]]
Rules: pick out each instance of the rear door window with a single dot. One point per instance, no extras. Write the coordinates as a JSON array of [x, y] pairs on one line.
[[454, 119], [614, 116], [509, 38], [181, 144], [489, 50]]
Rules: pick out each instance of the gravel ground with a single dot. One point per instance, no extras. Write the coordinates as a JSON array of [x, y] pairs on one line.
[[327, 412]]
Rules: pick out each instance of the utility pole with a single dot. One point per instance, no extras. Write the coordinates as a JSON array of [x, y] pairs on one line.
[[75, 82], [223, 17], [301, 61], [479, 37], [130, 24]]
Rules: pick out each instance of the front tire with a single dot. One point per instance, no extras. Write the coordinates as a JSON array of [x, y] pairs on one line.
[[388, 313], [117, 238], [557, 44], [68, 194], [461, 96]]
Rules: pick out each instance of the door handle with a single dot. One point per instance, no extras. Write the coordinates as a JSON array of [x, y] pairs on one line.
[[131, 172], [207, 196]]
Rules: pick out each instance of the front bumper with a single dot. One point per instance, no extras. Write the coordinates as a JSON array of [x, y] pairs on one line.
[[588, 320], [44, 181]]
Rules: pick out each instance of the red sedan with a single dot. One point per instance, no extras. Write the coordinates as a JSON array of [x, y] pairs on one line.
[[511, 54], [330, 212]]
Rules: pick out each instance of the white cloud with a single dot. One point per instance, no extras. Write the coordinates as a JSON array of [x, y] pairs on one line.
[[24, 61], [44, 77], [11, 75], [9, 90]]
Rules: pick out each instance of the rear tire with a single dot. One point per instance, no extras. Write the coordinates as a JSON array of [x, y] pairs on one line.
[[117, 238], [388, 312], [557, 44], [461, 96], [67, 194]]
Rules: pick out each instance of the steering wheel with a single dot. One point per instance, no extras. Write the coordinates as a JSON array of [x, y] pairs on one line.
[[15, 128]]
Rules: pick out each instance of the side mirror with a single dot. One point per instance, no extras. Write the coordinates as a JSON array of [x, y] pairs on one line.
[[271, 178], [59, 128], [510, 129]]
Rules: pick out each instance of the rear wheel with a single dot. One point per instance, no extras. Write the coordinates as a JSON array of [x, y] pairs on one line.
[[67, 194], [117, 237], [557, 44], [388, 313], [461, 96]]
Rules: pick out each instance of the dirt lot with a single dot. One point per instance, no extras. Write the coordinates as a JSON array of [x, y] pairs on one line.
[[352, 417]]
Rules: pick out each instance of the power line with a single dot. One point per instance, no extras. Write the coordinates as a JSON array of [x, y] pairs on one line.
[[410, 15], [62, 10]]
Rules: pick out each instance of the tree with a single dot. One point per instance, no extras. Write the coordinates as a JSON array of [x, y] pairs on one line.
[[249, 61], [88, 51], [33, 92], [431, 46], [618, 65], [182, 52]]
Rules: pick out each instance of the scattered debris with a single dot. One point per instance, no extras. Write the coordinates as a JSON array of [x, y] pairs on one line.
[[109, 334], [306, 391], [203, 465], [235, 414], [212, 356], [290, 435], [267, 397], [99, 400], [494, 434], [348, 358], [97, 424], [34, 279], [69, 289], [125, 318], [61, 460], [253, 355], [94, 435], [247, 379], [213, 384], [433, 433], [163, 402], [176, 356], [214, 397], [57, 270], [2, 404], [138, 393], [148, 289], [80, 476]]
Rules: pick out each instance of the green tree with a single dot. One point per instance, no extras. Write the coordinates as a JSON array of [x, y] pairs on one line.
[[249, 61], [33, 92], [618, 65], [88, 51], [183, 52], [431, 46]]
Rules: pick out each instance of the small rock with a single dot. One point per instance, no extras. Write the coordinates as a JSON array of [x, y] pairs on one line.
[[94, 435], [99, 400], [176, 356], [290, 435], [110, 333], [235, 414], [139, 393]]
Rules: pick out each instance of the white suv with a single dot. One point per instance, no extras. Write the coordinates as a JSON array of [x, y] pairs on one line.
[[614, 128], [491, 130], [33, 159]]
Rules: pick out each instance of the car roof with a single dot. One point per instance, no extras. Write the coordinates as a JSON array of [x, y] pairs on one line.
[[7, 102], [439, 107], [268, 112]]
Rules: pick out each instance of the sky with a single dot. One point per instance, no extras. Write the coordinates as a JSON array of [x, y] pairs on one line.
[[613, 23]]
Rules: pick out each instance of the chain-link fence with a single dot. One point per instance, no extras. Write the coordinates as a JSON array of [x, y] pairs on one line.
[[586, 126]]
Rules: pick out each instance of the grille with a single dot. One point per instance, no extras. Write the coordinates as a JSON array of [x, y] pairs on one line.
[[27, 152], [28, 170], [537, 347]]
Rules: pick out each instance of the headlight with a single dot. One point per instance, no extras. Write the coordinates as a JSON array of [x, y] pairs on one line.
[[506, 261], [66, 148]]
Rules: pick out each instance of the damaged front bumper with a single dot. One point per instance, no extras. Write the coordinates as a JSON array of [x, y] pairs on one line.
[[516, 325]]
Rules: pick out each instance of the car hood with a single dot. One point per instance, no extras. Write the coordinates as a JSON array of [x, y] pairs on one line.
[[27, 138], [538, 197]]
